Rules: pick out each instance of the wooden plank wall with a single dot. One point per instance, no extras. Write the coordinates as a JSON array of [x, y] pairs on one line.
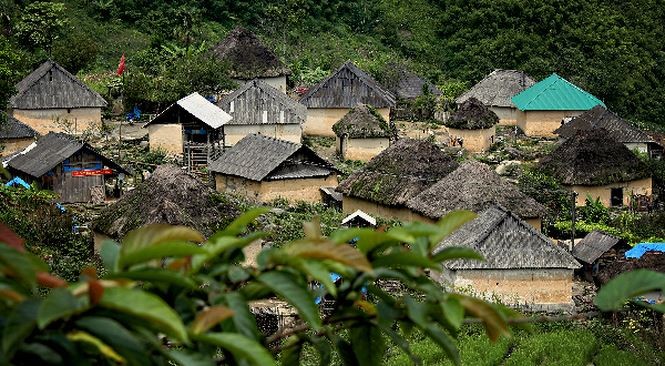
[[345, 90], [249, 107]]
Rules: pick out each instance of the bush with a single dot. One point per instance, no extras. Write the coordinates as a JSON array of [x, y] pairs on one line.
[[564, 348]]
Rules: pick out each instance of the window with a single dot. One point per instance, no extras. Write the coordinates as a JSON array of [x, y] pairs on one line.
[[281, 116], [231, 107], [616, 197], [265, 116]]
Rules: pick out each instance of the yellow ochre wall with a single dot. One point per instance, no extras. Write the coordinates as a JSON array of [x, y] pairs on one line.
[[641, 187], [10, 146], [166, 136], [474, 140], [507, 115], [306, 189], [320, 120], [289, 132], [542, 123], [351, 204], [74, 120], [361, 149]]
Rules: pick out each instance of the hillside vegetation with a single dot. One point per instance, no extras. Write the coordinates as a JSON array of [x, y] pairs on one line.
[[613, 49]]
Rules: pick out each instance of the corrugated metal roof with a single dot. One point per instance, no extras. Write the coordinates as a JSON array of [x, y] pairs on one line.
[[593, 246], [362, 215], [555, 93], [199, 107]]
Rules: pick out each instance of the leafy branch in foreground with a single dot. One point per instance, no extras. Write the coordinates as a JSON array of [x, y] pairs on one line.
[[169, 296]]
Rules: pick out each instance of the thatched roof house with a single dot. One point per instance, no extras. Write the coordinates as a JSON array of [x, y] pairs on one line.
[[593, 164], [331, 99], [472, 126], [617, 128], [169, 196], [521, 266], [496, 90], [405, 84], [250, 59], [14, 135], [52, 99], [362, 133], [264, 168], [257, 107], [475, 186], [392, 178]]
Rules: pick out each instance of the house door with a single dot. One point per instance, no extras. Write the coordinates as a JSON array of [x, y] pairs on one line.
[[616, 197]]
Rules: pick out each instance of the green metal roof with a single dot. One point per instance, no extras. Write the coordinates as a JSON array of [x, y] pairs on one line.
[[555, 93]]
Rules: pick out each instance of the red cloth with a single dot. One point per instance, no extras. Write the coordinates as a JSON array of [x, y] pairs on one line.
[[121, 65]]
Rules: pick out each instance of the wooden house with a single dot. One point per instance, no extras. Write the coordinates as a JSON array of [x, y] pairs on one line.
[[598, 251], [521, 266], [593, 165], [362, 134], [546, 105], [191, 127], [474, 186], [388, 181], [257, 107], [331, 99], [52, 99], [169, 196], [618, 129], [73, 170], [496, 90], [407, 87], [472, 126], [250, 59], [263, 168], [14, 135]]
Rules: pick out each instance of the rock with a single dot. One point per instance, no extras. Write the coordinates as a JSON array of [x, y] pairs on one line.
[[507, 167], [144, 144]]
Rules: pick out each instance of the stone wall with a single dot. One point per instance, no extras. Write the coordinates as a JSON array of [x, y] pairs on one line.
[[641, 187], [166, 136], [474, 140], [11, 146], [320, 120], [288, 132], [507, 115], [361, 149], [542, 123], [306, 189], [73, 120]]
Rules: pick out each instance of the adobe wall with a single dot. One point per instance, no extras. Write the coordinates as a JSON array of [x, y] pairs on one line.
[[474, 140], [166, 136], [537, 223], [641, 187], [73, 120], [507, 115], [320, 120], [351, 204], [639, 146], [542, 123], [362, 149], [289, 132], [306, 189], [10, 146]]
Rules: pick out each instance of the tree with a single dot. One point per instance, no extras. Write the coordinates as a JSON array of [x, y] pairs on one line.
[[40, 24]]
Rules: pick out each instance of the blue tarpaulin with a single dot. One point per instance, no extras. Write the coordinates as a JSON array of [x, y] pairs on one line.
[[641, 248], [17, 182]]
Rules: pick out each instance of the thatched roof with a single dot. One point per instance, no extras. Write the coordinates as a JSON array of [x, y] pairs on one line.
[[363, 121], [473, 186], [51, 86], [405, 84], [248, 57], [347, 87], [399, 173], [598, 117], [11, 128], [506, 242], [169, 196], [593, 246], [472, 114], [254, 97], [498, 87], [591, 158], [196, 107], [259, 158]]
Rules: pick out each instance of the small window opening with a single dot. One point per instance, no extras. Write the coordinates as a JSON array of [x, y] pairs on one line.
[[616, 197]]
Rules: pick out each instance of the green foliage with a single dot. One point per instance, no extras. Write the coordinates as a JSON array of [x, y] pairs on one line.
[[40, 24], [594, 211], [284, 223], [612, 356], [546, 349], [627, 287], [11, 67], [546, 190]]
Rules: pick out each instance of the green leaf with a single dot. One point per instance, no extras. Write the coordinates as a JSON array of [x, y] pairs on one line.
[[453, 312], [241, 347], [158, 251], [154, 235], [110, 252], [243, 320], [18, 265], [296, 294], [45, 353], [20, 323], [292, 350], [240, 224], [367, 344], [218, 245], [152, 275], [320, 273], [114, 334], [451, 222], [60, 303], [456, 253], [323, 349], [495, 324], [627, 286], [327, 250], [210, 317], [103, 348], [400, 342], [405, 259], [190, 358], [145, 306]]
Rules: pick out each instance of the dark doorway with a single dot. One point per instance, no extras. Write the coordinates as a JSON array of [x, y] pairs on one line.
[[616, 197]]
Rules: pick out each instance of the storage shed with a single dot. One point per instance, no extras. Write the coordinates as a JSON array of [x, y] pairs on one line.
[[52, 99], [545, 106], [72, 169], [522, 267], [472, 126], [363, 133], [263, 168], [250, 59], [597, 251], [14, 135], [257, 107], [392, 178], [331, 99], [496, 90]]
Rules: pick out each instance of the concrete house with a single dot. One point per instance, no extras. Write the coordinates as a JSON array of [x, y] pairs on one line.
[[14, 135], [257, 107], [331, 99], [191, 127], [618, 129], [52, 99], [407, 86], [362, 134], [592, 164], [496, 90], [250, 59], [73, 170], [472, 126], [546, 105], [263, 168], [522, 267], [474, 186], [388, 181]]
